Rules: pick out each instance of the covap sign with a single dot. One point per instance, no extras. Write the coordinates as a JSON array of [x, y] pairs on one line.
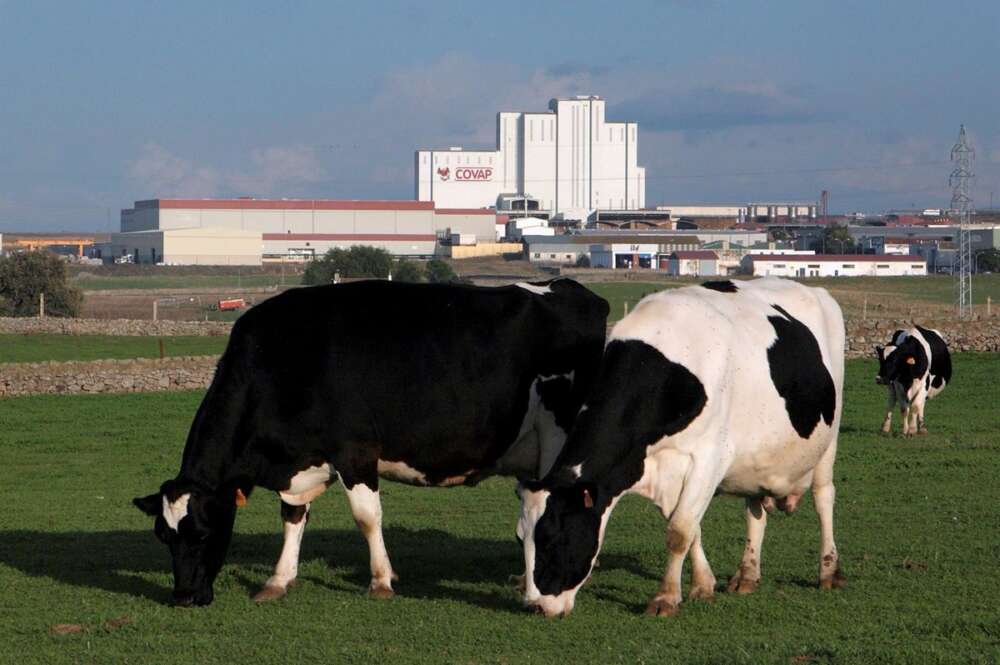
[[466, 173]]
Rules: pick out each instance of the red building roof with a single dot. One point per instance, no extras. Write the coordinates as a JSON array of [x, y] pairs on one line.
[[703, 254]]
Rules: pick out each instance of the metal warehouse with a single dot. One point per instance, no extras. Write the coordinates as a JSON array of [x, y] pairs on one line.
[[247, 231], [568, 160]]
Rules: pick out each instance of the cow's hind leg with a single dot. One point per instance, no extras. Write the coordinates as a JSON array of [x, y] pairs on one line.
[[367, 510], [824, 494], [287, 568], [747, 577]]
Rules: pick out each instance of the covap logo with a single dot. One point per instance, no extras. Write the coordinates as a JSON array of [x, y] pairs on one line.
[[444, 172]]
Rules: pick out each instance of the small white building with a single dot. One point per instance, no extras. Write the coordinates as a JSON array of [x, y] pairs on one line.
[[834, 265], [693, 263]]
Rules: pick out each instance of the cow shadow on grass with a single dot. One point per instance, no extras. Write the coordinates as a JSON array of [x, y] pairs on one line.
[[431, 563]]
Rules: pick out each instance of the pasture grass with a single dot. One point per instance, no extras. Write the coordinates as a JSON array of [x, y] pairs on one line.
[[922, 298], [917, 526], [104, 283], [45, 347]]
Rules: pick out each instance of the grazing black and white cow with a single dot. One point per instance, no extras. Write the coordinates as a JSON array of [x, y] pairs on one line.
[[914, 367], [731, 387], [431, 385]]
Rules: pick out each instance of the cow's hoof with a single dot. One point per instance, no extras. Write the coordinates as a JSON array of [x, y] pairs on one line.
[[835, 581], [702, 592], [381, 592], [661, 607], [270, 592], [742, 584], [922, 431]]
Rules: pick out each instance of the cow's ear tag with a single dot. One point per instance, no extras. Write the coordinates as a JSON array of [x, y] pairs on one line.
[[910, 360], [241, 498], [588, 501]]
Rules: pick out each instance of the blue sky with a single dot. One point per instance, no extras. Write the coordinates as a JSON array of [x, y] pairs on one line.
[[110, 102]]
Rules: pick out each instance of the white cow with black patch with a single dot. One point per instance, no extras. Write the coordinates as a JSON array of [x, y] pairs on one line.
[[732, 387], [914, 367]]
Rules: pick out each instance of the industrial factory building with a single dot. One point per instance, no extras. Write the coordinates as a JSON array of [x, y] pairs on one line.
[[247, 231], [566, 161]]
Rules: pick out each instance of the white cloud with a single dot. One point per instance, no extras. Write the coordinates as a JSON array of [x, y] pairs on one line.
[[269, 171]]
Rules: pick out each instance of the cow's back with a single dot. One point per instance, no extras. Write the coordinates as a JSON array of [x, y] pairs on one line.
[[940, 361], [438, 375], [769, 355]]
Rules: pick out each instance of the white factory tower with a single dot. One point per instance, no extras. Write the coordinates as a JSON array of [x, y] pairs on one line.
[[568, 159]]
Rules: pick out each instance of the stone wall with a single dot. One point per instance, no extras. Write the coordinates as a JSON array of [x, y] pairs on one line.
[[977, 335], [125, 327], [106, 376], [195, 372]]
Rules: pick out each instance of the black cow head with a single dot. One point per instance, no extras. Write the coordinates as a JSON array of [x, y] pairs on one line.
[[561, 531], [196, 524], [901, 364]]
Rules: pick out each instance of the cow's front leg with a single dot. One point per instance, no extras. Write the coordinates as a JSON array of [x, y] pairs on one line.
[[702, 579], [920, 427], [286, 570], [747, 577], [683, 530], [367, 510], [890, 405]]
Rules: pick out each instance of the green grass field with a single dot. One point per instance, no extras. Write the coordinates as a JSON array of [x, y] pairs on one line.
[[96, 283], [38, 348], [887, 297], [917, 526]]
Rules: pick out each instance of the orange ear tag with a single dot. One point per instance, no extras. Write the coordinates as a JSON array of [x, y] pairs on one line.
[[911, 360], [241, 498], [588, 501]]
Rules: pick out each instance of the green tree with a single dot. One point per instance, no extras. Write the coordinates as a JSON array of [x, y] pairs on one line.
[[836, 239], [408, 271], [440, 272], [26, 275], [988, 260], [358, 261]]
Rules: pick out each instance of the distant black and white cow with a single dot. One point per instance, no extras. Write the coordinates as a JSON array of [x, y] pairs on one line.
[[732, 387], [914, 367], [431, 385]]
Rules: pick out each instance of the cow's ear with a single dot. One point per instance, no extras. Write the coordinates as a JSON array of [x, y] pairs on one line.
[[152, 505]]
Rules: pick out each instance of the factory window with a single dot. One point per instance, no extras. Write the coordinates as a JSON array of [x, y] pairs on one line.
[[917, 267], [623, 134], [569, 256], [479, 160], [552, 256], [537, 255], [633, 135], [814, 265], [848, 266], [531, 130], [882, 266], [779, 265], [435, 159], [542, 127]]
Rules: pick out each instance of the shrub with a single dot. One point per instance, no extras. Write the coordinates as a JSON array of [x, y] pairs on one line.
[[440, 272], [26, 275], [408, 271]]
